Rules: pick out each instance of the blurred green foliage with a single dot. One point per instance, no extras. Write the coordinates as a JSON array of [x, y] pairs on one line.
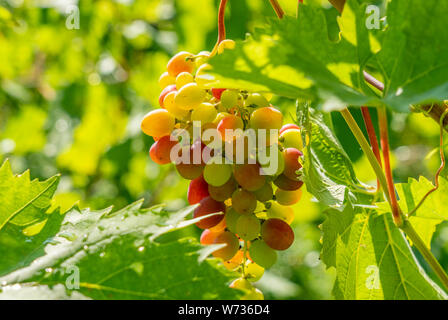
[[71, 101]]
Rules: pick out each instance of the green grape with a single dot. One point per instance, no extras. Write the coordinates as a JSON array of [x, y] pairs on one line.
[[291, 138], [217, 174], [231, 248], [241, 284], [249, 176], [253, 271], [265, 193], [277, 234], [223, 192], [256, 100], [262, 254], [243, 201], [229, 99], [279, 211], [248, 227], [205, 113], [255, 294], [231, 219], [288, 198]]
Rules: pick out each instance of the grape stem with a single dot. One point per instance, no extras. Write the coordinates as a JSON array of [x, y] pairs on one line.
[[372, 137], [277, 8], [221, 26]]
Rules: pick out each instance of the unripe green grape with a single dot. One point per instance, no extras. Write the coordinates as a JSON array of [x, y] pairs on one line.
[[291, 138], [223, 192], [253, 271], [205, 113], [217, 174], [248, 227], [256, 100], [189, 96], [283, 182], [229, 99], [241, 284], [277, 234], [279, 211], [243, 201], [262, 254], [231, 248], [265, 193], [249, 176], [288, 198], [231, 218], [255, 294]]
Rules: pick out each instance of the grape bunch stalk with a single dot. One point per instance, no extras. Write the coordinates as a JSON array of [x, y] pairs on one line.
[[247, 204]]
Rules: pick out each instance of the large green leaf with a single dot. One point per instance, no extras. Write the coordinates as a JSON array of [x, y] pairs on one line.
[[372, 258], [296, 57], [431, 213], [117, 257]]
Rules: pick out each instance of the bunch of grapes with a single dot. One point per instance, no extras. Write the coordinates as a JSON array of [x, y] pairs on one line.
[[246, 199]]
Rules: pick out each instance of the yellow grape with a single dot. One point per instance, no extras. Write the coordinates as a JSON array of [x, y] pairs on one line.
[[241, 284], [256, 100], [205, 112], [291, 138], [183, 78], [158, 123], [165, 80], [189, 96], [171, 106], [254, 272], [179, 63], [288, 198], [255, 294]]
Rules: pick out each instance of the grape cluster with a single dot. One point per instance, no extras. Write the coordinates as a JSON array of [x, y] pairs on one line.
[[255, 201]]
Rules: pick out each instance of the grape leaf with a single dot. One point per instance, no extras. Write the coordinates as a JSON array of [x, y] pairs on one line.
[[118, 258], [430, 214], [24, 202], [372, 258]]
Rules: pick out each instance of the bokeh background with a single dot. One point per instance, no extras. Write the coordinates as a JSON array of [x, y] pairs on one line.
[[71, 101]]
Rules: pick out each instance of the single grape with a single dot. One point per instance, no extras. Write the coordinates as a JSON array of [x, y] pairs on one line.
[[241, 284], [291, 138], [254, 272], [223, 192], [243, 201], [205, 113], [158, 123], [208, 237], [248, 227], [230, 122], [173, 108], [288, 198], [181, 62], [217, 92], [288, 126], [226, 44], [189, 96], [266, 118], [183, 78], [168, 89], [265, 193], [292, 163], [249, 176], [217, 174], [229, 98], [262, 254], [197, 190], [231, 248], [231, 219], [277, 234], [208, 206], [256, 100], [188, 169], [166, 80], [279, 211], [255, 294], [235, 262], [161, 149], [283, 182]]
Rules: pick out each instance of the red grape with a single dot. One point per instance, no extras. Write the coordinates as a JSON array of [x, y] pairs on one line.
[[277, 234], [197, 190], [208, 206]]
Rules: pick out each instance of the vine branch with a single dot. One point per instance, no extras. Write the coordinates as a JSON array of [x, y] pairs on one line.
[[372, 136]]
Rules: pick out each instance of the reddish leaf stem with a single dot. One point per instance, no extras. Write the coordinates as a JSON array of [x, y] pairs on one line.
[[277, 8], [372, 137]]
